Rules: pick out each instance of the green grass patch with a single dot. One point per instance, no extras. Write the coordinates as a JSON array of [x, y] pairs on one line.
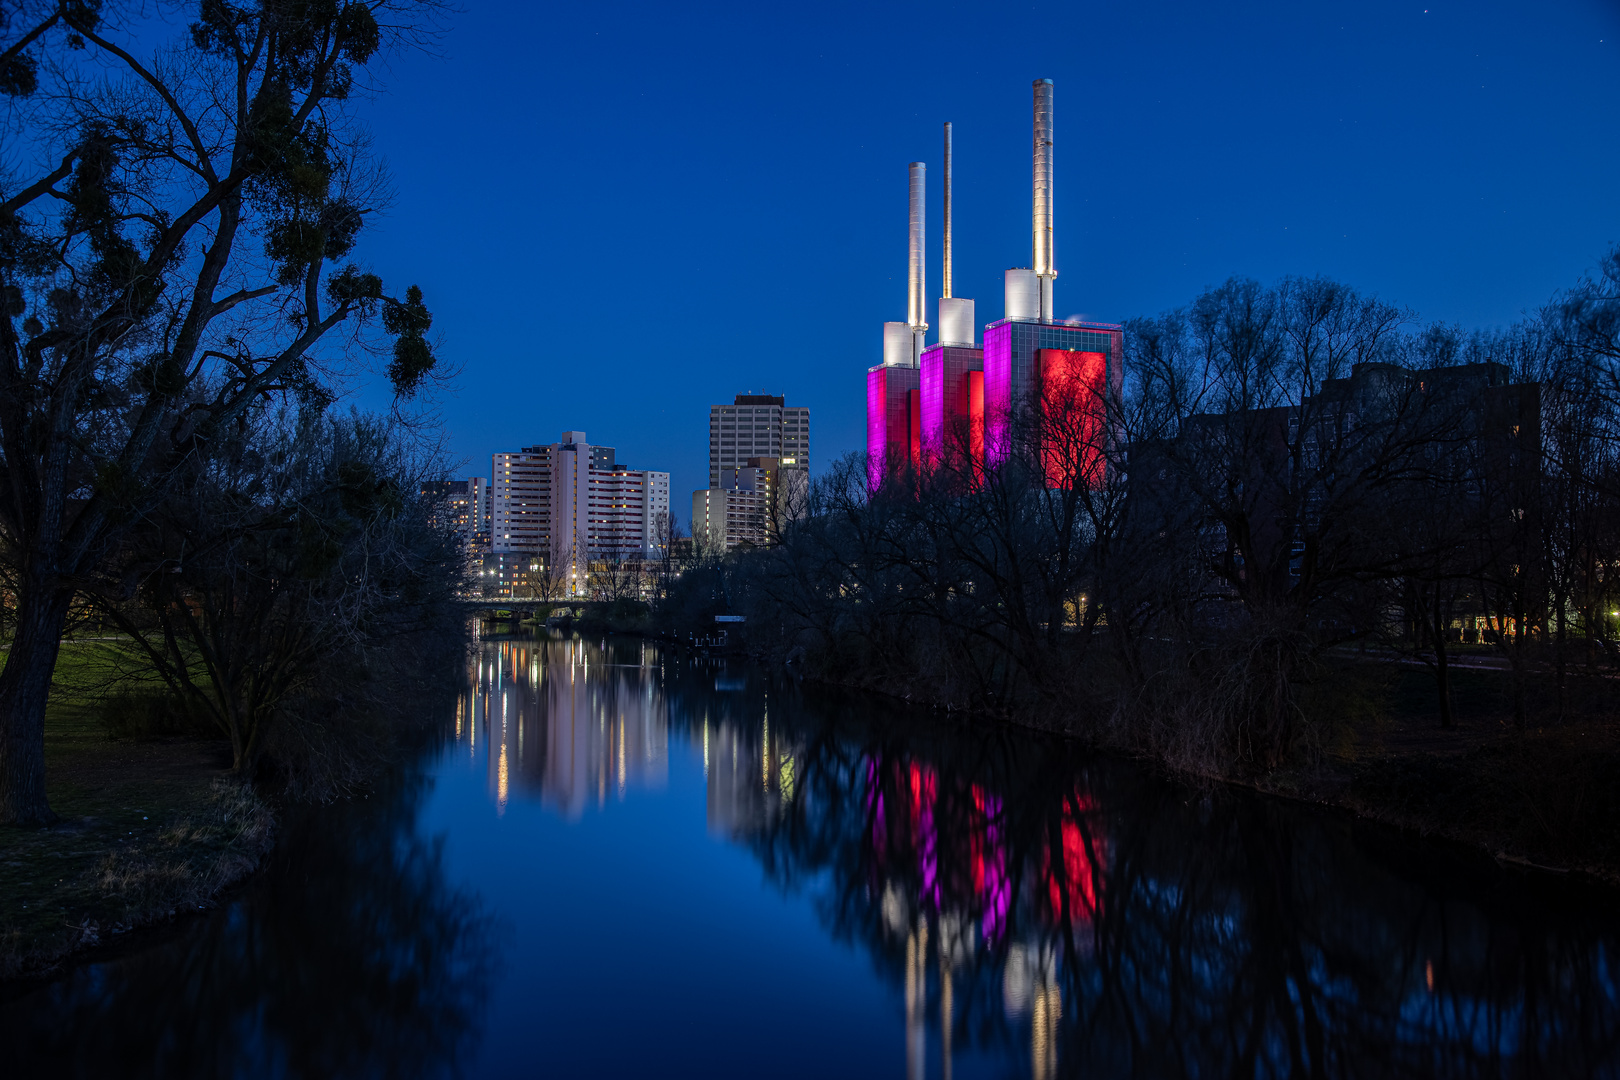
[[151, 826]]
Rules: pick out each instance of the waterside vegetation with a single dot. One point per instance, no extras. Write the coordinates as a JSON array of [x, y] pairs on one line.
[[1304, 543], [217, 584]]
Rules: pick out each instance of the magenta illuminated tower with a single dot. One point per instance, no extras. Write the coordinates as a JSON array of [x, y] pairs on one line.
[[951, 381], [1029, 341], [892, 423]]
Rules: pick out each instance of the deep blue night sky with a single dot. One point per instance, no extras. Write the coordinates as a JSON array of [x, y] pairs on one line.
[[621, 214]]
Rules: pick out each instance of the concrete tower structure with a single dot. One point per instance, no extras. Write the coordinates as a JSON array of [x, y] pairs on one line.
[[917, 273], [951, 379], [1029, 352], [1045, 257], [959, 405], [893, 425]]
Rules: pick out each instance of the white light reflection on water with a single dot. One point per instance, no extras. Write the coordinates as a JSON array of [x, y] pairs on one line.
[[566, 739]]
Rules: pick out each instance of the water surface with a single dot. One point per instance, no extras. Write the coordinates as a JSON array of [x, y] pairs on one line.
[[625, 861]]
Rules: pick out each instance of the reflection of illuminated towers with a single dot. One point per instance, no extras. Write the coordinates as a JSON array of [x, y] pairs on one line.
[[1043, 1030], [953, 944], [1029, 985], [955, 947], [917, 1001]]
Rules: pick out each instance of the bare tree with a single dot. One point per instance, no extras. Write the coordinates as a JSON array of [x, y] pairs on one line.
[[298, 547]]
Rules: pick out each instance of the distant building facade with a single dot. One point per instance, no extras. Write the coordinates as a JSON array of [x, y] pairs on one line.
[[757, 425], [557, 509], [750, 506]]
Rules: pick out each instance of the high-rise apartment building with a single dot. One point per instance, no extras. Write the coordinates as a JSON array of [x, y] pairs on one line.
[[723, 519], [463, 507], [757, 425], [562, 506]]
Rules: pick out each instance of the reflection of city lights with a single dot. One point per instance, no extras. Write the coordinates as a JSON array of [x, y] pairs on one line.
[[705, 748], [785, 777]]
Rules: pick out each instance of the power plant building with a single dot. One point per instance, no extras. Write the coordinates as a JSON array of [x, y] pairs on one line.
[[958, 402]]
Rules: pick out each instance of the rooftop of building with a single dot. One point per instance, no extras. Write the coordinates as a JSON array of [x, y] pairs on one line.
[[1071, 324]]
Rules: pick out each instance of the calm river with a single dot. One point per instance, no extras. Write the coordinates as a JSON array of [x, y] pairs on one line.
[[623, 861]]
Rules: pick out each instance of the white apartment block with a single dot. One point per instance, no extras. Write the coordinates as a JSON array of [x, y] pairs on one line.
[[757, 425], [570, 501]]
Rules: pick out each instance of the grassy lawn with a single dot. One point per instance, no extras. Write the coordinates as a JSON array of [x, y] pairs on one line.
[[150, 826]]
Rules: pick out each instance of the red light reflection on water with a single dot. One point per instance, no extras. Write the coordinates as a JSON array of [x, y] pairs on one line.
[[924, 837], [990, 884], [954, 848], [1073, 875]]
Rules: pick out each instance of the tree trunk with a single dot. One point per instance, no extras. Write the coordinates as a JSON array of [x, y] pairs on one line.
[[1560, 642], [25, 688], [1442, 671]]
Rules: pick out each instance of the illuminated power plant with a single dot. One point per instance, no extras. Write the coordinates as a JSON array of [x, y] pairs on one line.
[[956, 397]]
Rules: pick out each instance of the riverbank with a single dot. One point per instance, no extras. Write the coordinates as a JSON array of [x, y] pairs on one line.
[[1546, 798], [150, 828]]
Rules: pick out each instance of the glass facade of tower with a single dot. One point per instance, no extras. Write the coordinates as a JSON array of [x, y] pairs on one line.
[[1010, 348], [892, 421], [950, 411]]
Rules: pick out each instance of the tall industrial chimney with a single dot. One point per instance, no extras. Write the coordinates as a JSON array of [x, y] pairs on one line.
[[955, 314], [947, 275], [916, 313], [1045, 259]]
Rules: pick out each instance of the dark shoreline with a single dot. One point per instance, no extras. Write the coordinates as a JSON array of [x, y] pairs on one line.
[[156, 931], [1382, 789], [1387, 782], [206, 848]]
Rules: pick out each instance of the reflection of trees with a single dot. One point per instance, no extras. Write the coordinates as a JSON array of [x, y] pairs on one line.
[[1091, 919], [351, 957]]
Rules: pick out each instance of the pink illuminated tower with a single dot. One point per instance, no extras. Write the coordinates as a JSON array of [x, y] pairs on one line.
[[892, 423], [951, 382], [958, 405], [1029, 357]]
